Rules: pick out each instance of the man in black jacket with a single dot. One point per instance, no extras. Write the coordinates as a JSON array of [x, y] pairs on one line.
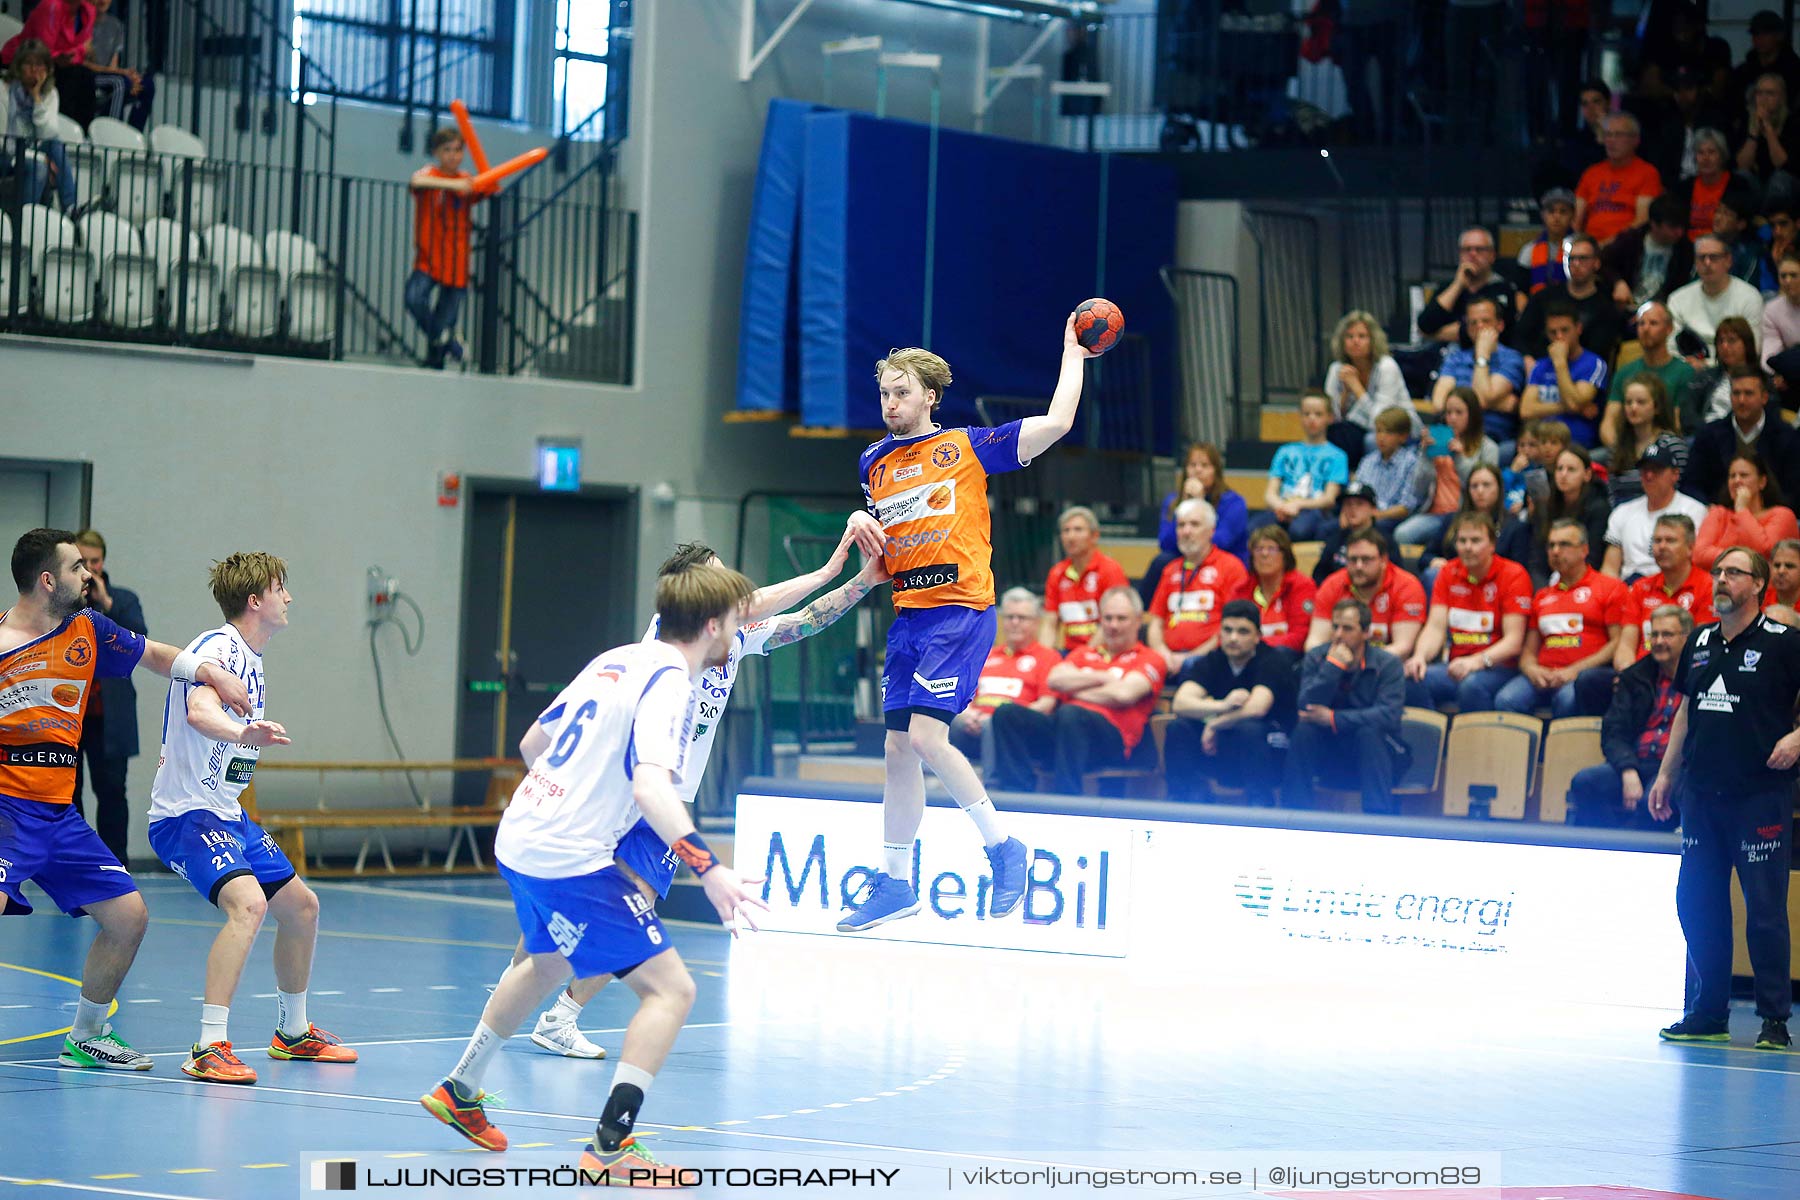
[[1750, 427], [1352, 696], [109, 736], [1649, 262], [1635, 732]]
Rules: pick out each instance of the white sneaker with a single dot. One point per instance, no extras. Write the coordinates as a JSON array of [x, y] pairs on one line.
[[561, 1037]]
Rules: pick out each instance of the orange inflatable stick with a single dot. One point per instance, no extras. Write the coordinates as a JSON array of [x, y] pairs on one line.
[[460, 111], [490, 177]]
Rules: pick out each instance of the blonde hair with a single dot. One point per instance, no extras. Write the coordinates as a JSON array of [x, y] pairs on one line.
[[687, 599], [243, 575], [1781, 110], [932, 372], [1378, 339], [92, 540]]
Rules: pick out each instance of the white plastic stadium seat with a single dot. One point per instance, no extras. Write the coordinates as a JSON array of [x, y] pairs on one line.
[[68, 130], [175, 145], [115, 155], [312, 298], [68, 285], [112, 132], [228, 248], [162, 241], [9, 27], [255, 303], [287, 253], [43, 229], [200, 302], [127, 276], [6, 261], [106, 234]]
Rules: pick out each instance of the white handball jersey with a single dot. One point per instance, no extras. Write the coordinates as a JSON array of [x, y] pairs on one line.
[[711, 694], [195, 771], [630, 706]]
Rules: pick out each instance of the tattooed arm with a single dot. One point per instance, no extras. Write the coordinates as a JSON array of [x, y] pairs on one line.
[[803, 623]]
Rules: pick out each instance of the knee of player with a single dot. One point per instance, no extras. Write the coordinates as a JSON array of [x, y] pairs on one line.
[[899, 746], [680, 991], [128, 918], [927, 739], [299, 904], [245, 908]]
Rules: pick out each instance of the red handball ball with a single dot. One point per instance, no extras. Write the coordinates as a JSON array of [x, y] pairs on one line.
[[1098, 324]]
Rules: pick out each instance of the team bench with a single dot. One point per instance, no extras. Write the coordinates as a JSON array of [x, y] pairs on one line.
[[289, 826]]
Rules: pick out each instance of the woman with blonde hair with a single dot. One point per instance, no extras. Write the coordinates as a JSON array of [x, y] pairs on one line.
[[1362, 380], [1769, 142], [1644, 419]]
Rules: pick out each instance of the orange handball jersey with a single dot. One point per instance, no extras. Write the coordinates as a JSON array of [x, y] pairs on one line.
[[930, 494], [441, 231], [45, 686]]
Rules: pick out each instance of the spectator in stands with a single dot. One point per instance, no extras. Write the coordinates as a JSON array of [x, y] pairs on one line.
[[1748, 428], [1469, 448], [1732, 218], [1184, 613], [109, 733], [1306, 476], [1635, 732], [1677, 581], [1352, 700], [1282, 595], [443, 197], [1495, 371], [1393, 596], [1484, 495], [1749, 513], [1777, 237], [1575, 495], [1767, 138], [120, 92], [1105, 691], [1770, 53], [1781, 329], [1356, 514], [1654, 329], [1645, 418], [1230, 705], [1478, 610], [1475, 279], [1649, 263], [1569, 381], [1542, 257], [1586, 146], [1784, 574], [1629, 529], [1362, 382], [31, 104], [1614, 194], [1572, 634], [1700, 306], [1014, 673], [1602, 325], [1708, 393], [64, 27], [1074, 586], [1680, 40], [1202, 476], [1704, 188], [1526, 478], [1396, 472], [1671, 140]]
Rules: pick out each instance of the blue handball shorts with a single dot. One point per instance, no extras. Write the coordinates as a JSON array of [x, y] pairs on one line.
[[53, 847], [600, 922], [209, 851], [934, 660], [646, 853]]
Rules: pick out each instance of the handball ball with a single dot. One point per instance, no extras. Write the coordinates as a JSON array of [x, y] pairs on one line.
[[1098, 324]]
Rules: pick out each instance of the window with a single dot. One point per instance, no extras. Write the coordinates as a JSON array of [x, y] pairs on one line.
[[593, 46], [411, 52]]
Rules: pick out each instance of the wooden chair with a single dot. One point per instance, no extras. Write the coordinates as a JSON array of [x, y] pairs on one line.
[[1571, 744], [1306, 556], [1494, 750]]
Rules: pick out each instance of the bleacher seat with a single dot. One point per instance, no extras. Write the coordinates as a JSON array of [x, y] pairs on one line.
[[1571, 744], [1142, 775], [1425, 732], [69, 131], [312, 304], [127, 275], [6, 269], [255, 308], [229, 248], [9, 27], [195, 307], [67, 289], [177, 148], [42, 229], [1494, 750], [163, 242], [289, 253], [129, 176]]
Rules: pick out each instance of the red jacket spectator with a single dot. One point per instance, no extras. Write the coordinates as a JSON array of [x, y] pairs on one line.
[[1190, 595], [1287, 614], [1572, 619], [1073, 596], [1651, 592], [1475, 606], [1399, 597], [1013, 677], [54, 23], [1139, 658], [1607, 200]]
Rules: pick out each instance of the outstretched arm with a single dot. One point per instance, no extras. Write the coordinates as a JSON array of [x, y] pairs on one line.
[[175, 663], [792, 627], [778, 597], [1038, 434]]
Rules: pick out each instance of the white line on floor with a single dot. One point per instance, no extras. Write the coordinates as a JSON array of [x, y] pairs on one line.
[[89, 1187]]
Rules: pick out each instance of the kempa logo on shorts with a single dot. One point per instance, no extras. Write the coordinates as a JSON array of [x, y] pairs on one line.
[[565, 933], [937, 687]]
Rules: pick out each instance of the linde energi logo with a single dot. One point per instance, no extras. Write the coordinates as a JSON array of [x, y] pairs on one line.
[[1324, 910]]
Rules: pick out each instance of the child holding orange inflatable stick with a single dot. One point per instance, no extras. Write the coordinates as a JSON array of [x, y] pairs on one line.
[[443, 197]]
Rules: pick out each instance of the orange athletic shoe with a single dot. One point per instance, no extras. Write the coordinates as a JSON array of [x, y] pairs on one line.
[[315, 1045], [217, 1064], [631, 1165], [464, 1116]]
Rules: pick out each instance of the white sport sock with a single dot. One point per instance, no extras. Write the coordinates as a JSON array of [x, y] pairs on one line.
[[474, 1063], [897, 860], [987, 820], [636, 1076], [566, 1008], [213, 1019], [290, 1013], [89, 1018]]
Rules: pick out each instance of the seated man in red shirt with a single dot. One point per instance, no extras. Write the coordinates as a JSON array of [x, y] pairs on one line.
[[1233, 710], [1572, 635], [1073, 588], [1677, 581], [1184, 613], [1014, 672], [1395, 598], [1105, 692], [1477, 624]]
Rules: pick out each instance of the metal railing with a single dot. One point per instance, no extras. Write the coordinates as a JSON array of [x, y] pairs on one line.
[[1206, 322], [1289, 299]]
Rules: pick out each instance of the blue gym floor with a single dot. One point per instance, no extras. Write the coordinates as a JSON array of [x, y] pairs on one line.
[[842, 1049]]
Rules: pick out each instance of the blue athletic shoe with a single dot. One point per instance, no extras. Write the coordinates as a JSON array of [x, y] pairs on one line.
[[1008, 863], [883, 899]]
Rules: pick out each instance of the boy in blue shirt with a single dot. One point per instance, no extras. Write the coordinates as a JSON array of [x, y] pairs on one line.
[[1306, 477], [1569, 382]]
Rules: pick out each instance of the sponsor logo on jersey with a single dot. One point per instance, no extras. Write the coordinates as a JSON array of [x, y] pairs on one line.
[[1751, 658], [935, 575], [80, 653], [945, 456], [43, 693], [565, 933], [902, 474], [911, 541], [1717, 699], [926, 500]]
